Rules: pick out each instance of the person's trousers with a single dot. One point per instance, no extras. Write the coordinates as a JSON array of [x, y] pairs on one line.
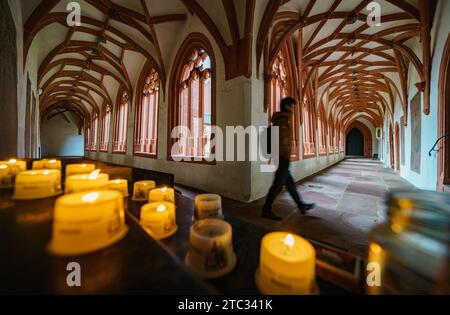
[[282, 178]]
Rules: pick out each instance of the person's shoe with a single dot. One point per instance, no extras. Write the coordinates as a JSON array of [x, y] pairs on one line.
[[306, 207], [270, 216]]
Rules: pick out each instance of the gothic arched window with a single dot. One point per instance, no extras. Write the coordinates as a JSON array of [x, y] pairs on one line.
[[146, 132], [279, 89], [87, 135], [93, 136], [322, 132], [309, 130], [120, 128], [193, 102], [106, 127], [331, 138]]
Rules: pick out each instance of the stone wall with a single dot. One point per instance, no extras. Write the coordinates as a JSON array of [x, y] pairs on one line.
[[8, 83], [60, 138]]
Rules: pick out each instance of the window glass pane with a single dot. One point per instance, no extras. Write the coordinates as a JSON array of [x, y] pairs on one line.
[[195, 104]]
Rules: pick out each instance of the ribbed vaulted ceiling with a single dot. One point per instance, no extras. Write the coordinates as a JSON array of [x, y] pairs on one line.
[[353, 70]]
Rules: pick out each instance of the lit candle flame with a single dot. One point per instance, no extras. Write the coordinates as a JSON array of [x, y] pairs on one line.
[[289, 241], [118, 181], [12, 161], [52, 161], [164, 190], [83, 165], [46, 172], [375, 248], [92, 197], [3, 167], [161, 208], [94, 175]]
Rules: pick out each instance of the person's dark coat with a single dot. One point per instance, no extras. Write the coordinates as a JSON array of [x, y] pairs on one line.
[[284, 121]]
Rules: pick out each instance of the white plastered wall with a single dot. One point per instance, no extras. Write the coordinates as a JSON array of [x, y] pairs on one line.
[[428, 174]]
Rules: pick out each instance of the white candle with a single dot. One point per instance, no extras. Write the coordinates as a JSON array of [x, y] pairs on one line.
[[6, 176], [141, 190], [79, 169], [87, 222], [47, 165], [37, 184], [93, 181], [119, 185], [287, 265], [208, 206], [211, 253], [162, 194], [53, 165], [160, 219], [15, 165]]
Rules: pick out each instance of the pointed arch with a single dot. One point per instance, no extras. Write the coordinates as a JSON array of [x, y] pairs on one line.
[[146, 112], [192, 96], [367, 136]]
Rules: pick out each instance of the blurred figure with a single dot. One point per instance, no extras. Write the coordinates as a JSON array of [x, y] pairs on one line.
[[283, 176]]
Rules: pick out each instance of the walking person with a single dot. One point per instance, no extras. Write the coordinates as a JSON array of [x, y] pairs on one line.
[[283, 176]]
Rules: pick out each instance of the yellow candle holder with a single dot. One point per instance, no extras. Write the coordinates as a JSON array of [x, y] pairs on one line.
[[287, 265], [47, 165], [159, 219], [79, 169], [86, 182], [141, 190], [37, 184], [119, 185], [87, 222], [6, 176], [208, 206], [162, 194], [15, 165], [211, 253]]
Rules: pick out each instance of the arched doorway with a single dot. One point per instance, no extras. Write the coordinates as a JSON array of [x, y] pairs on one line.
[[354, 147], [397, 146], [444, 120], [355, 143], [8, 86]]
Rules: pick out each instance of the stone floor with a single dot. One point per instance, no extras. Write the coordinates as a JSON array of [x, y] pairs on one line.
[[349, 198]]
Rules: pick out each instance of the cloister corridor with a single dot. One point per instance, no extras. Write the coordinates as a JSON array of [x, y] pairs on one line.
[[350, 202], [208, 147]]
